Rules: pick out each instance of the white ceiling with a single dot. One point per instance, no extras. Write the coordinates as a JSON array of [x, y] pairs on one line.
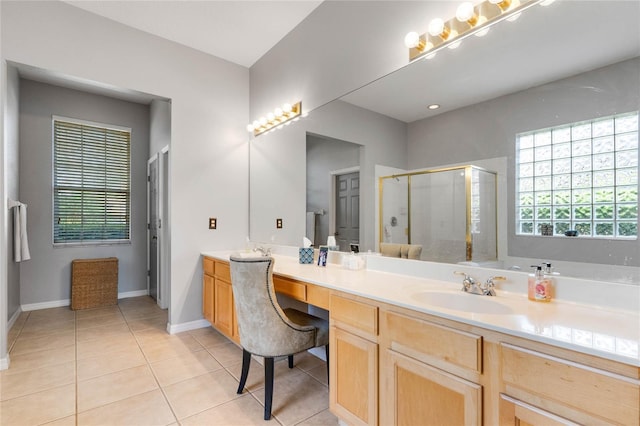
[[545, 44], [239, 31]]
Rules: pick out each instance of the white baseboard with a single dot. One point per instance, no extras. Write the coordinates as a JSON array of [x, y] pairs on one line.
[[14, 318], [45, 305], [136, 293], [67, 302], [186, 326], [4, 363]]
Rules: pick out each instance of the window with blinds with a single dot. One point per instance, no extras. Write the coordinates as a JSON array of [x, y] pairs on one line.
[[91, 183]]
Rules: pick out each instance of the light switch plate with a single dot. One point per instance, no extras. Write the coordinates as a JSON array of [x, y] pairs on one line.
[[213, 222], [279, 223]]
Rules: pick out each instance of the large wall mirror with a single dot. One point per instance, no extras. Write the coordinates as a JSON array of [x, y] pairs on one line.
[[572, 62]]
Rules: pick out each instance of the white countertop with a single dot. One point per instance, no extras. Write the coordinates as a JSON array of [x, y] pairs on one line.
[[605, 332]]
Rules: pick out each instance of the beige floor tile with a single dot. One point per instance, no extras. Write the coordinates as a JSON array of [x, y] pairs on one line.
[[306, 361], [111, 319], [184, 367], [255, 380], [65, 421], [103, 332], [149, 408], [63, 313], [320, 374], [99, 347], [31, 381], [97, 312], [144, 312], [209, 337], [226, 353], [113, 387], [156, 322], [170, 349], [45, 343], [323, 418], [31, 360], [51, 405], [37, 329], [296, 397], [128, 357], [243, 411], [200, 393]]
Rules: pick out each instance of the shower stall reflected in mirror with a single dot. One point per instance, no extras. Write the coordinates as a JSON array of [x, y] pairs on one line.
[[450, 212]]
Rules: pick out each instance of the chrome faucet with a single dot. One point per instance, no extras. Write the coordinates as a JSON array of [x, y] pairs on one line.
[[470, 285], [264, 251]]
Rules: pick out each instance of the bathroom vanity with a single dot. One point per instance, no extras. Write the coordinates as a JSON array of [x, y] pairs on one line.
[[404, 349]]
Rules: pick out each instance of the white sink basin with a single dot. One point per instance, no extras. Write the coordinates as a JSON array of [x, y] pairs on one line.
[[249, 254], [463, 302]]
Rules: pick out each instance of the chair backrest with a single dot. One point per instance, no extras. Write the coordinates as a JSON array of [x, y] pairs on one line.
[[405, 251], [264, 328]]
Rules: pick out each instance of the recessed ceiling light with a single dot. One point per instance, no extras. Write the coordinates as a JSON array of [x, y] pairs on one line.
[[433, 106]]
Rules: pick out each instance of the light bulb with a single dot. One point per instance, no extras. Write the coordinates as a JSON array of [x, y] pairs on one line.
[[287, 108], [249, 128], [263, 121], [502, 4], [436, 27], [412, 39], [278, 112], [465, 13], [256, 124], [270, 117]]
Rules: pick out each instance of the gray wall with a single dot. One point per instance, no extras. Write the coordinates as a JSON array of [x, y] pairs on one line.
[[12, 184], [488, 130], [46, 277], [324, 156]]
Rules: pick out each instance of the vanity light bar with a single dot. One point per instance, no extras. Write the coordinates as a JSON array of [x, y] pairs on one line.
[[469, 20], [276, 118]]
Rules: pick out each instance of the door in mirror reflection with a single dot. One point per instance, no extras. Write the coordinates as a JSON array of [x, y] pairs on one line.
[[347, 210]]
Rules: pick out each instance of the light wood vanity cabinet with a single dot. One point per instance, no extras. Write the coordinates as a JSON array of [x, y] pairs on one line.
[[353, 371], [429, 373], [217, 298]]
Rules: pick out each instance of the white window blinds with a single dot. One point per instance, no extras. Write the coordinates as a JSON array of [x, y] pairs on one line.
[[91, 183]]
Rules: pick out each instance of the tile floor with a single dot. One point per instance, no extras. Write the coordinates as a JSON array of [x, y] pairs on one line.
[[118, 366]]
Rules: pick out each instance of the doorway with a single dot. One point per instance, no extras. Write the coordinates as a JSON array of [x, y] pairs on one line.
[[157, 235], [347, 210]]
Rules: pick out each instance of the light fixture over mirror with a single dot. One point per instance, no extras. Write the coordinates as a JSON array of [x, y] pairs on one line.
[[469, 20], [275, 119]]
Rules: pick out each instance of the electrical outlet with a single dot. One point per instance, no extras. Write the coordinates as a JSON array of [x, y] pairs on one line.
[[213, 222], [279, 223]]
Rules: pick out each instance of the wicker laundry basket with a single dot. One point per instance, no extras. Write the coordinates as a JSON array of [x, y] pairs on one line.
[[94, 283]]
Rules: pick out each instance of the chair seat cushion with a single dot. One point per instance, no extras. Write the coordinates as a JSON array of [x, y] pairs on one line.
[[303, 318]]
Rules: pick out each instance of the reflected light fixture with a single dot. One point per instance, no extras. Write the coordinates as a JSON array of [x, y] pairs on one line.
[[275, 119], [469, 20], [433, 106]]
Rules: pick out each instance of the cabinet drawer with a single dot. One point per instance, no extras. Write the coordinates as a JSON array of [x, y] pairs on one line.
[[207, 265], [318, 296], [290, 288], [354, 315], [596, 392], [444, 344], [223, 271]]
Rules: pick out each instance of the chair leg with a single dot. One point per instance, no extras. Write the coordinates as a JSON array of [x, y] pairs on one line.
[[246, 362], [326, 351], [290, 361], [268, 384]]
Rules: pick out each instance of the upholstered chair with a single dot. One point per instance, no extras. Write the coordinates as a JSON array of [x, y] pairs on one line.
[[265, 328], [405, 251]]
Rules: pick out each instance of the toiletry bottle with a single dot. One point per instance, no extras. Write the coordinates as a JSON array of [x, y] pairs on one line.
[[531, 282], [548, 275], [542, 288]]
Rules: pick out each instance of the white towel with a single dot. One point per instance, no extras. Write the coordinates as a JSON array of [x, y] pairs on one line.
[[311, 226], [20, 241]]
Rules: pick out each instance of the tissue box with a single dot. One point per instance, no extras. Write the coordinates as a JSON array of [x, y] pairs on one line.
[[305, 254]]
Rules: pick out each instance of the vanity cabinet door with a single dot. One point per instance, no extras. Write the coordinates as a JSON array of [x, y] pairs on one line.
[[207, 297], [223, 307], [419, 394], [353, 390]]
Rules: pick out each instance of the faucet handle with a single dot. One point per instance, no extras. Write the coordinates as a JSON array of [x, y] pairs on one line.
[[467, 282], [490, 281]]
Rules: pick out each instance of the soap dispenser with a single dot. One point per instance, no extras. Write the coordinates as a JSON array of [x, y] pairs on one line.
[[540, 287]]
